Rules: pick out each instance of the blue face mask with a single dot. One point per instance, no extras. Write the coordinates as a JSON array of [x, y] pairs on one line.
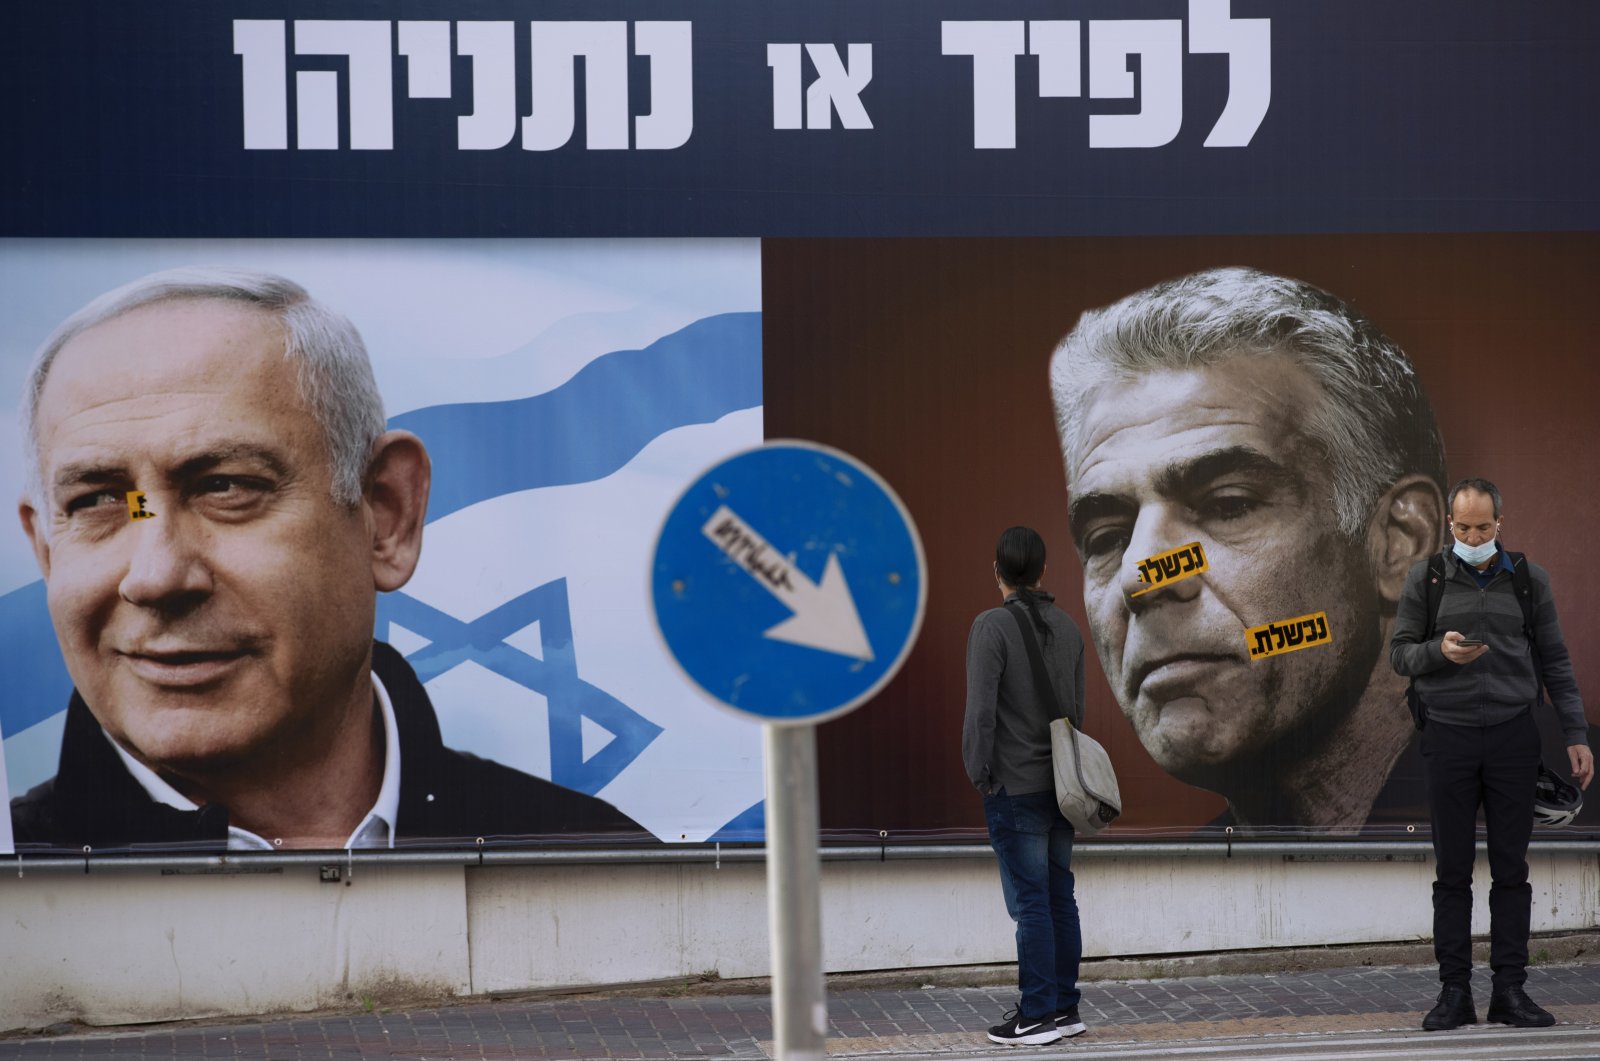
[[1476, 554]]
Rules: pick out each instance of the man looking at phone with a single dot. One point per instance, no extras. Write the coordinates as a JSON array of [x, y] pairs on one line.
[[1478, 675]]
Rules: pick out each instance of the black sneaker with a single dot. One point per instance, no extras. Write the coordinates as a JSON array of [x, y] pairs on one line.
[[1511, 1005], [1453, 1009], [1024, 1031], [1069, 1023]]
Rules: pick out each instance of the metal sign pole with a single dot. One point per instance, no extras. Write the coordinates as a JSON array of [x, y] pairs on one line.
[[789, 584], [794, 914]]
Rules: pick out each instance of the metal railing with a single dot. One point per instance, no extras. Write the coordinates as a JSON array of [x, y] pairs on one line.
[[716, 854]]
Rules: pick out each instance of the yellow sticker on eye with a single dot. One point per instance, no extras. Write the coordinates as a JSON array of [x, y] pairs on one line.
[[136, 509], [1291, 635], [1170, 566]]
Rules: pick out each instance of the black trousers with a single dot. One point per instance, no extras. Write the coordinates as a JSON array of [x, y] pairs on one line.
[[1494, 767]]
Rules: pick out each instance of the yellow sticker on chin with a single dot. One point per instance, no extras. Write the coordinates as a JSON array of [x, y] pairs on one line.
[[1291, 635], [136, 509], [1170, 566]]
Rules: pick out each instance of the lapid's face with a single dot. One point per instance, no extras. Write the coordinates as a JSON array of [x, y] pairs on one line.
[[1216, 455], [227, 630]]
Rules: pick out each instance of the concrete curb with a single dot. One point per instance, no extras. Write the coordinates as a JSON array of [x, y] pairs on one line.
[[1543, 949]]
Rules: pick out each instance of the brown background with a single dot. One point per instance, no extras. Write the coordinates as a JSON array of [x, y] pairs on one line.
[[927, 359]]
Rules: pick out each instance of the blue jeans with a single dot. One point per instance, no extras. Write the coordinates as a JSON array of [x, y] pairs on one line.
[[1034, 845]]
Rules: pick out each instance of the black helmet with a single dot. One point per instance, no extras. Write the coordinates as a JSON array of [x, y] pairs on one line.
[[1555, 800]]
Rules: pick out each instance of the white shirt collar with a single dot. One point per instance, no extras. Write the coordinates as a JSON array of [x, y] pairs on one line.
[[376, 829]]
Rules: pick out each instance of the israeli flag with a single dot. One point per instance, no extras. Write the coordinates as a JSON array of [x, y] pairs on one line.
[[567, 392]]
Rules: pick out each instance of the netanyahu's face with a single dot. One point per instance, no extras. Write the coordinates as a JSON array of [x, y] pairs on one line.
[[1218, 455], [235, 625]]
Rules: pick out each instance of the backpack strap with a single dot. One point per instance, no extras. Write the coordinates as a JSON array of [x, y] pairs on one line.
[[1434, 589], [1522, 585], [1433, 592], [1041, 677]]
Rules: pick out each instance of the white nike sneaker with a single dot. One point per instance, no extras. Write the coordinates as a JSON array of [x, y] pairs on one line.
[[1023, 1031]]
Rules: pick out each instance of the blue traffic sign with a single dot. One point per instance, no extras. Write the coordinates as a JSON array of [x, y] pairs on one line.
[[789, 582]]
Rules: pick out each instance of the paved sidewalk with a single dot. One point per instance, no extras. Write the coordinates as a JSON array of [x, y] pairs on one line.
[[905, 1022]]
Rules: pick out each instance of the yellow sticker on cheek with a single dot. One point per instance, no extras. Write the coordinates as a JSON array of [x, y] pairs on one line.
[[1291, 635], [1170, 566], [136, 509]]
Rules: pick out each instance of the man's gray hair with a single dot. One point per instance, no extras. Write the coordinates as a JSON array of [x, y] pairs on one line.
[[1373, 425], [332, 369]]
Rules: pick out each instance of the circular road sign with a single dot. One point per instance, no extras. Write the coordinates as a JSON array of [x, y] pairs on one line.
[[789, 582]]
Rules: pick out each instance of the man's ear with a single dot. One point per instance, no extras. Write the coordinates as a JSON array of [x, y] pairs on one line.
[[1406, 526], [397, 503], [37, 538]]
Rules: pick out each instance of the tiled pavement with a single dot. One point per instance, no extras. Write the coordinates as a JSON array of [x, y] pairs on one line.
[[906, 1021]]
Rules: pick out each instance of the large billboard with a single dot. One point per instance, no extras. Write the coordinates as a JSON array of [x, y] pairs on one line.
[[591, 250], [563, 390], [934, 363]]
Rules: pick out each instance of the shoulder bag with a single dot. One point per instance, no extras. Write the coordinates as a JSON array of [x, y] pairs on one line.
[[1086, 784]]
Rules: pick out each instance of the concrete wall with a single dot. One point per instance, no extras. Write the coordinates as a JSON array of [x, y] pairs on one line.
[[125, 945]]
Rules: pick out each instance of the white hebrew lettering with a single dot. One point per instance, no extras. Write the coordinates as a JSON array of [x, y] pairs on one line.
[[787, 80], [317, 116], [1113, 43], [838, 88], [1248, 44], [369, 47], [670, 46], [1060, 69], [426, 46], [492, 47], [994, 47], [367, 82], [259, 43], [556, 46], [1159, 45]]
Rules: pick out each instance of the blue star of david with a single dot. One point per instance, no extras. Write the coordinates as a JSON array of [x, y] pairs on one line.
[[570, 698]]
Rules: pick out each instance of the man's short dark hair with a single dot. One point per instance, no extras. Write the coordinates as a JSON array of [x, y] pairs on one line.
[[1479, 486]]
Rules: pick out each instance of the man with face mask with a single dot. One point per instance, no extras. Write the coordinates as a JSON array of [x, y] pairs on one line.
[[1478, 678]]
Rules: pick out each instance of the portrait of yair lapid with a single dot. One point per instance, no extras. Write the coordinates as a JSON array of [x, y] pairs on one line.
[[1247, 441], [1270, 424]]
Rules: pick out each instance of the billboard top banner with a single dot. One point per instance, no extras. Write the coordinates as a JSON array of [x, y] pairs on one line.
[[821, 117]]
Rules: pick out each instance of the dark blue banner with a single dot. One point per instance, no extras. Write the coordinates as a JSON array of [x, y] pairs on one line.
[[797, 117]]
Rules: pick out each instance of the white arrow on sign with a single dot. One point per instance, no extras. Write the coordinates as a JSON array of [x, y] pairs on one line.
[[825, 615]]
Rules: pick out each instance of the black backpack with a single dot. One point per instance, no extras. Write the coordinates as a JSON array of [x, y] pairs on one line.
[[1521, 584]]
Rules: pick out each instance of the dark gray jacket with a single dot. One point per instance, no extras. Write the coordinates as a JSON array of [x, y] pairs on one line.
[[1005, 738], [1501, 683], [447, 798]]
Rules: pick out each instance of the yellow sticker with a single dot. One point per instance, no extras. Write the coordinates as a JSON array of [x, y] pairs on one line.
[[136, 509], [1291, 635], [1170, 566]]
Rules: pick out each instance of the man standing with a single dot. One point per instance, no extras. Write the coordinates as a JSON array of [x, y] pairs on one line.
[[1478, 674], [1270, 422]]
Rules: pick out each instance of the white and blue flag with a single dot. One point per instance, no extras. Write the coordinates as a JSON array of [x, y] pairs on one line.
[[567, 391]]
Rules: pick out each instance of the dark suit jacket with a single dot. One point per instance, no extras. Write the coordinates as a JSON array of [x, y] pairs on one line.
[[447, 798]]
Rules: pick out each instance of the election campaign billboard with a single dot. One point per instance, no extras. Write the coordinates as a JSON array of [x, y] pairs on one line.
[[590, 251], [563, 391]]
